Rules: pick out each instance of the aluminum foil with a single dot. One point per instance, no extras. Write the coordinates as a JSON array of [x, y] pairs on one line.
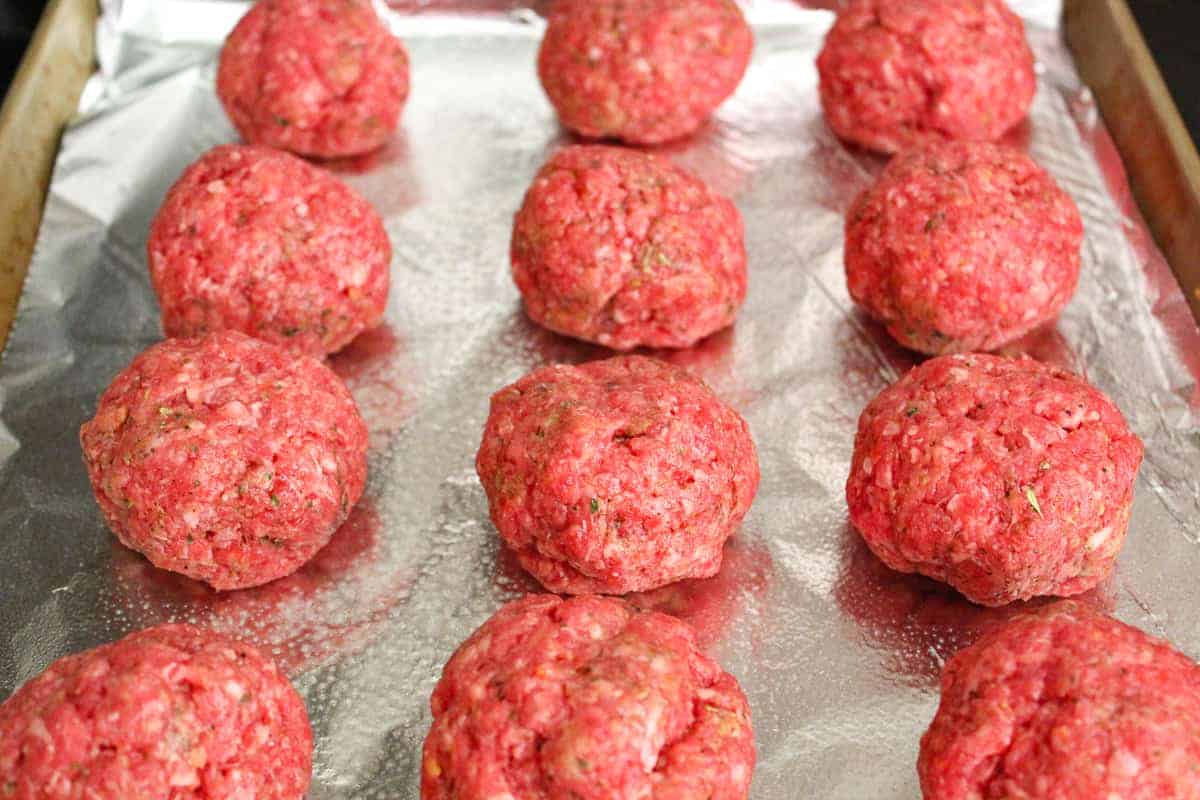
[[838, 655]]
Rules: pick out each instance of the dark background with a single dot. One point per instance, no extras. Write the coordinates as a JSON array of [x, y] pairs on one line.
[[1170, 26], [17, 18]]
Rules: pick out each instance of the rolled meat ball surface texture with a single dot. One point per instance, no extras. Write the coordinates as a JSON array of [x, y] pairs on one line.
[[1066, 704], [615, 476], [961, 247], [173, 711], [225, 458], [586, 698], [255, 240], [896, 74], [321, 78], [1006, 478], [645, 72], [626, 249]]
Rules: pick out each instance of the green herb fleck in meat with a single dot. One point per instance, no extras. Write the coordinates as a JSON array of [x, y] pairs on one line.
[[1031, 496]]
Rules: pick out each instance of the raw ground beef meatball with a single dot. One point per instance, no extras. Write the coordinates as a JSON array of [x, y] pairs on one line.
[[626, 249], [258, 241], [226, 458], [643, 72], [1065, 704], [615, 476], [1006, 478], [173, 712], [962, 246], [589, 699], [321, 78], [899, 73]]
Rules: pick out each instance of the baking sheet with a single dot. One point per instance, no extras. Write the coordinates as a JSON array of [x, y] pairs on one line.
[[838, 655]]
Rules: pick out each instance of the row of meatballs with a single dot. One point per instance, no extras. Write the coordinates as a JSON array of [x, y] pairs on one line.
[[1007, 479], [587, 698], [231, 454]]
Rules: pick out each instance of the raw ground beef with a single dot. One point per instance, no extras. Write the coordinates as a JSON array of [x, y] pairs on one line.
[[644, 72], [226, 458], [173, 712], [321, 78], [899, 73], [626, 249], [590, 699], [256, 240], [615, 476], [962, 246], [1065, 704], [1006, 478]]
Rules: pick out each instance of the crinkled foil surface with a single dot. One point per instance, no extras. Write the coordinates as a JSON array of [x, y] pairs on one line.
[[838, 655]]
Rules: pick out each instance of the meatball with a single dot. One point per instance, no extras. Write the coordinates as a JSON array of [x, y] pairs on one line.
[[1006, 478], [644, 72], [626, 249], [899, 73], [173, 712], [962, 246], [256, 240], [615, 476], [225, 458], [590, 699], [1065, 704], [315, 77]]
